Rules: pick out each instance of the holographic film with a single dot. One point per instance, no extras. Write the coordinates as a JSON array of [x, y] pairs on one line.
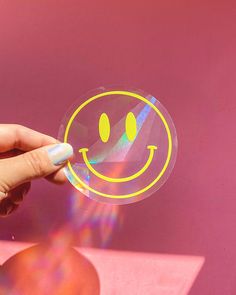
[[124, 142]]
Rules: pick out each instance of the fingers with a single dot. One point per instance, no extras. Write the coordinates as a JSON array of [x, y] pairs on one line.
[[11, 202], [7, 207], [18, 193], [26, 154], [22, 138], [40, 162], [11, 153], [58, 177]]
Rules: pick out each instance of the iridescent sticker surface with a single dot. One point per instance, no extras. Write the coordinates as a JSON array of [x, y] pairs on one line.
[[124, 142]]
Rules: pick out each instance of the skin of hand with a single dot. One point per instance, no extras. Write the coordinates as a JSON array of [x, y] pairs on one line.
[[25, 155]]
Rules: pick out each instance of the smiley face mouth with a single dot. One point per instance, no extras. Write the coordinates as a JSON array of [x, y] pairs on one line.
[[151, 148]]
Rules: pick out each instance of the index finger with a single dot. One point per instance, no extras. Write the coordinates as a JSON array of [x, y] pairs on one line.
[[13, 136]]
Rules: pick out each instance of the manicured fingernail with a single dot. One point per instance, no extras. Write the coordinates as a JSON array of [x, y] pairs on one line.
[[59, 153]]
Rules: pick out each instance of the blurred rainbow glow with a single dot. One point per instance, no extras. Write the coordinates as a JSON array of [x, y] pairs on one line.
[[93, 223]]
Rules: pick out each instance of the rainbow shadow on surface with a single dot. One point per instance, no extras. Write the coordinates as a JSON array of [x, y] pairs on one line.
[[52, 267], [88, 223], [93, 223], [45, 266]]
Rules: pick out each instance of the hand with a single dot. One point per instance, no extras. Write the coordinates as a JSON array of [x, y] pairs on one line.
[[25, 155]]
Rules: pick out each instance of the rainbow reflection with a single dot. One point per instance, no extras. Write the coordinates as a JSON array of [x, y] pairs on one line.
[[93, 223], [123, 145], [52, 267]]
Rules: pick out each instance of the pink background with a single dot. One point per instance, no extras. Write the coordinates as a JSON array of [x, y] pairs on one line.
[[182, 52]]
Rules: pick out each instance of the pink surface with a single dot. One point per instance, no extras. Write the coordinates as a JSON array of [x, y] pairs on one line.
[[182, 52], [123, 272]]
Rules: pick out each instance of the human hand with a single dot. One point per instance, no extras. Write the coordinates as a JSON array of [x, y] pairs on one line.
[[25, 155]]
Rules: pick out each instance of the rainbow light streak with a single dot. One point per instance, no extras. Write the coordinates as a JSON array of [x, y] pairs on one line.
[[48, 265], [93, 223], [123, 144]]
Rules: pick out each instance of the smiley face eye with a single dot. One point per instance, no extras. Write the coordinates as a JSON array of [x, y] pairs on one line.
[[104, 127], [131, 126]]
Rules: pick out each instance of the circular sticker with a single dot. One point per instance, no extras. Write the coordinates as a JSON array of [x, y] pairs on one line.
[[124, 142]]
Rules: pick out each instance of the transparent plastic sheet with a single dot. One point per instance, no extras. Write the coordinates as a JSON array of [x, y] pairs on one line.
[[125, 145]]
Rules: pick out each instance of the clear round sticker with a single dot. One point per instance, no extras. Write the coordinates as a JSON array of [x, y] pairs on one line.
[[124, 142]]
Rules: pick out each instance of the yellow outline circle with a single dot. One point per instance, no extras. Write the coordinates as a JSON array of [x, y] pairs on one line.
[[135, 95]]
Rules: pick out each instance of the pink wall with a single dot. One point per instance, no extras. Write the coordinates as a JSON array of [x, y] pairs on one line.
[[182, 52]]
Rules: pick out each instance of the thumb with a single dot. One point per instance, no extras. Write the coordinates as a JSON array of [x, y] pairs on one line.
[[34, 164]]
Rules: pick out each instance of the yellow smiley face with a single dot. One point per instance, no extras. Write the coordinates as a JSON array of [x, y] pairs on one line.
[[132, 132]]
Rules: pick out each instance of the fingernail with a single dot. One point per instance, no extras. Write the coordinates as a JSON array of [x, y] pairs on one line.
[[59, 153]]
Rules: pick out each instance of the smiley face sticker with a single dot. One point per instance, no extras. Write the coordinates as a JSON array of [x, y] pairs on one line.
[[125, 145]]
